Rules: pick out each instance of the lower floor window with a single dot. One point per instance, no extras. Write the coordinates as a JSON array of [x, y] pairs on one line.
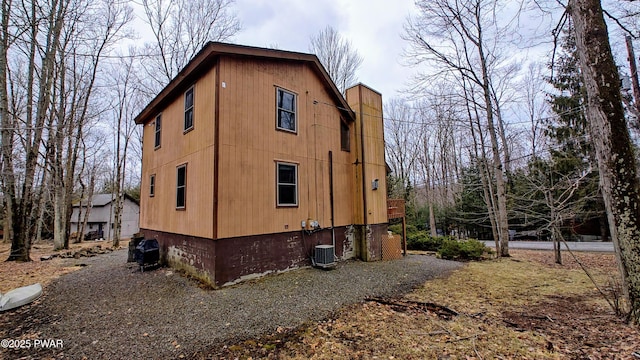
[[287, 184], [181, 187]]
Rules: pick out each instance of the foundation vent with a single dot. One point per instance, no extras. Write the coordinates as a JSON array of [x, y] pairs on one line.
[[324, 256]]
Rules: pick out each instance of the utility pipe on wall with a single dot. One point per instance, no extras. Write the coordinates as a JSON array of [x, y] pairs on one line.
[[333, 230]]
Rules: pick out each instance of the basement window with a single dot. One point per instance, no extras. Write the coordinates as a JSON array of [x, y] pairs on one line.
[[286, 110], [181, 187], [287, 184]]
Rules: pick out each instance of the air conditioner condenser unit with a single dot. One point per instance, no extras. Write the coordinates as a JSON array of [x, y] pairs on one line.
[[324, 256]]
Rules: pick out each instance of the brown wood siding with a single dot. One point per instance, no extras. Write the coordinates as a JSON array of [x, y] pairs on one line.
[[250, 145], [368, 107], [194, 148]]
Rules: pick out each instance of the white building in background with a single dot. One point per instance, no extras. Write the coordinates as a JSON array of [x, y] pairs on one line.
[[101, 209]]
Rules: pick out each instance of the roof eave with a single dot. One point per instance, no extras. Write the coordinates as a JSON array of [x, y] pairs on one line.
[[214, 49]]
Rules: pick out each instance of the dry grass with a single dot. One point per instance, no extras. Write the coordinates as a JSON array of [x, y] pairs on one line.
[[524, 307]]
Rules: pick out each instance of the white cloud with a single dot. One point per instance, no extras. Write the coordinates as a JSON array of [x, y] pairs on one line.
[[373, 27]]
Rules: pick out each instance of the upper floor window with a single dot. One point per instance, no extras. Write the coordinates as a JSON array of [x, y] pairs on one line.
[[158, 130], [181, 187], [287, 184], [286, 110], [344, 136], [152, 185], [188, 109]]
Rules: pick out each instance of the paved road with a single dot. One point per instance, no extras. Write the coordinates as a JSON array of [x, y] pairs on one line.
[[547, 245]]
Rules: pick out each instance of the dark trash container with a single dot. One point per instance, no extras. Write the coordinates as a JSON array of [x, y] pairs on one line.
[[133, 244], [147, 253]]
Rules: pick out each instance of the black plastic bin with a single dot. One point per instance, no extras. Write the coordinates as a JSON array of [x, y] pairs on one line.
[[147, 253], [133, 244]]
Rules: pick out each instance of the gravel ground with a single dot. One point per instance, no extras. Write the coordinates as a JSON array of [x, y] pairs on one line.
[[110, 310]]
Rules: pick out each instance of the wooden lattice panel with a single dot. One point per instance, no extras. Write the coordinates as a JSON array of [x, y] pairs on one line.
[[391, 247]]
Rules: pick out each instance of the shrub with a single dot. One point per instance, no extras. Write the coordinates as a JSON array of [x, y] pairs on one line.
[[462, 250], [396, 229], [422, 241]]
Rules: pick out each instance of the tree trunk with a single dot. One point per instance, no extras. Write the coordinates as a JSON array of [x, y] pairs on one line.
[[610, 136], [87, 210], [556, 245], [432, 220], [498, 168], [554, 229], [635, 84], [6, 134]]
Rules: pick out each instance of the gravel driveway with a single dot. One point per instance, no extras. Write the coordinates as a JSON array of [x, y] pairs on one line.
[[109, 310]]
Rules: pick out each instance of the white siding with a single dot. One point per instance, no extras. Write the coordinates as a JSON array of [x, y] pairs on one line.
[[104, 215]]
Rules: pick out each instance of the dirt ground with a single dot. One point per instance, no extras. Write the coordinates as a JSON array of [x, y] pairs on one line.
[[523, 307], [17, 274]]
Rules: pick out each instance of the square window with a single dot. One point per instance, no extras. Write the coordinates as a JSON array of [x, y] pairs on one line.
[[181, 187], [286, 110], [287, 184], [152, 185], [188, 109], [158, 131], [344, 136]]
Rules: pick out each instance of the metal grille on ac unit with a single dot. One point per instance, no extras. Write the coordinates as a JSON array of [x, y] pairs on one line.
[[324, 256]]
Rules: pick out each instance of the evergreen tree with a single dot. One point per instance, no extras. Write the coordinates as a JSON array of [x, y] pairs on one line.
[[571, 154], [569, 128]]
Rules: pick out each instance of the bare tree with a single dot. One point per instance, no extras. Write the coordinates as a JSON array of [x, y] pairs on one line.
[[438, 154], [610, 136], [41, 28], [401, 141], [535, 105], [124, 110], [105, 22], [181, 28], [454, 36], [337, 55], [46, 102]]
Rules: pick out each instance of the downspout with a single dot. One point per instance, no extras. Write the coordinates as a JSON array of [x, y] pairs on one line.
[[333, 230], [364, 182], [216, 151]]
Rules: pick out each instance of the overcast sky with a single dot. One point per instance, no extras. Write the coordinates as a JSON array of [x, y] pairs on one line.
[[373, 27]]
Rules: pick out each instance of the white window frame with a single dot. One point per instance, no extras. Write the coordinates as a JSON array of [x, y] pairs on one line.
[[183, 187], [294, 112], [278, 184], [152, 185]]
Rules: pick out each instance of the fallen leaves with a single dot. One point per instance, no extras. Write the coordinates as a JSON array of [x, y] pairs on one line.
[[16, 274], [525, 308]]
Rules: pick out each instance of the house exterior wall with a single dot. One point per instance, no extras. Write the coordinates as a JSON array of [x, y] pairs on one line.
[[105, 215], [231, 260], [371, 221], [250, 145], [130, 219], [249, 234], [194, 148]]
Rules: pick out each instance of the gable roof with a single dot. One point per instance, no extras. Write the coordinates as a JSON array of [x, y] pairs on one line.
[[210, 52], [99, 200]]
